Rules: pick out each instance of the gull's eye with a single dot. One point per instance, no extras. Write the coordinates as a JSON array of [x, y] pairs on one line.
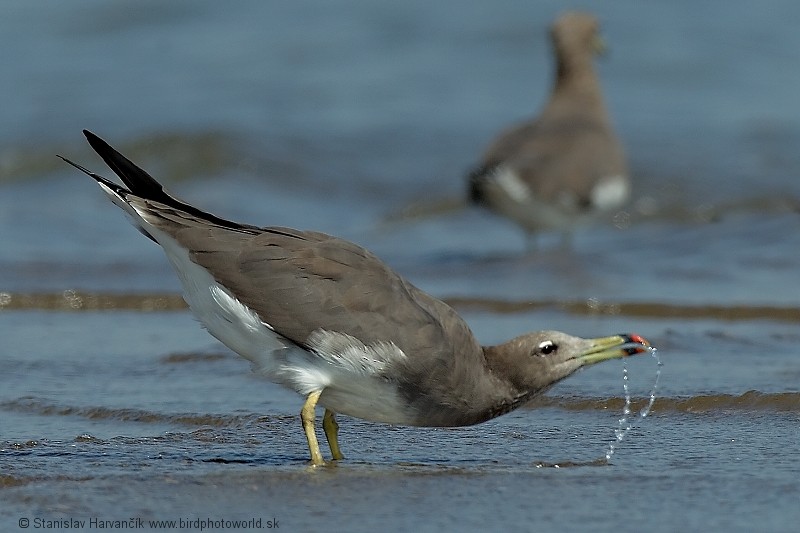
[[546, 348]]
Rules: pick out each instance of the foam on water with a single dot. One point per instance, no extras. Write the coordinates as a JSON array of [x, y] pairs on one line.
[[625, 423]]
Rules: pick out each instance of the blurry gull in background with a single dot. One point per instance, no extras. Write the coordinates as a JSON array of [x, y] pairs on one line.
[[567, 165]]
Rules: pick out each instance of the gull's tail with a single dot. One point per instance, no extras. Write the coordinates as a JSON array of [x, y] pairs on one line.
[[144, 196]]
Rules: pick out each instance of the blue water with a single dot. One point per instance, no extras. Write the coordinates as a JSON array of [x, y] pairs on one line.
[[361, 120]]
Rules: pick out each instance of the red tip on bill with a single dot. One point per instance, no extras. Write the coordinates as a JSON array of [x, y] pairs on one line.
[[635, 344], [638, 339]]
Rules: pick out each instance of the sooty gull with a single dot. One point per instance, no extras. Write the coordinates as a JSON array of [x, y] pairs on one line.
[[567, 165], [327, 319]]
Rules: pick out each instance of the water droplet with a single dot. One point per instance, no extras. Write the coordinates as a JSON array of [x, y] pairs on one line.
[[625, 424]]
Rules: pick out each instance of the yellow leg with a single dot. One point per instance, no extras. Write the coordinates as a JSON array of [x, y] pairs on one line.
[[307, 415], [332, 434]]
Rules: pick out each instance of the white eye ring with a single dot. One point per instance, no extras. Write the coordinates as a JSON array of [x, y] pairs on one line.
[[547, 347]]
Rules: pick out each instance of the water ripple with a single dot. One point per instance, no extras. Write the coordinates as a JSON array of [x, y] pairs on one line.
[[751, 401], [44, 407], [72, 300], [710, 403]]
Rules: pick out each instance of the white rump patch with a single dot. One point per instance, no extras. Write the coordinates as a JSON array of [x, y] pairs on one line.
[[610, 192]]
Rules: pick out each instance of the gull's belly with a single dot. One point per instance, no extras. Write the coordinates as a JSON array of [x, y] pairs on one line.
[[368, 398]]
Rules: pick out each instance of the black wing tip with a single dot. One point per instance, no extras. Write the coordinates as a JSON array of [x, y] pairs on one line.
[[476, 181], [76, 165], [135, 178], [139, 182], [94, 138], [97, 177], [99, 145], [89, 135]]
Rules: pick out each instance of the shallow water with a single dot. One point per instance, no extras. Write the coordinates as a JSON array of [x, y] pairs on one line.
[[361, 121]]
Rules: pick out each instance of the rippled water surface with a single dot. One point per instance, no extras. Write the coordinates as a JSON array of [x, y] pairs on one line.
[[361, 121]]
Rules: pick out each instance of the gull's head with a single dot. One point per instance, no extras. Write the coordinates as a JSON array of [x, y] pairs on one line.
[[576, 34], [535, 361]]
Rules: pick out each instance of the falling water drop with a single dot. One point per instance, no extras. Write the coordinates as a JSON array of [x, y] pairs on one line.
[[625, 424]]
